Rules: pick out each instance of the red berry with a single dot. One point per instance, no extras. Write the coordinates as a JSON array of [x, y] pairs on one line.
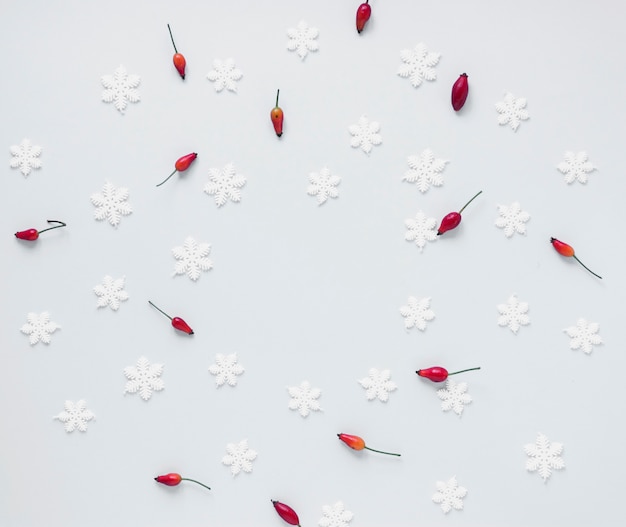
[[567, 250], [32, 234], [460, 89], [286, 513], [179, 60], [277, 117], [452, 220], [357, 443], [439, 374], [182, 164], [172, 479], [177, 322], [363, 14]]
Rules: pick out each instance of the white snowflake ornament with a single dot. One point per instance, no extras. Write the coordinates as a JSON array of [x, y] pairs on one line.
[[111, 204], [512, 111], [418, 64], [192, 258], [224, 184], [111, 292], [120, 88], [365, 134], [425, 170], [302, 39], [239, 456], [323, 185], [75, 416], [224, 75], [454, 396], [584, 335], [512, 219], [449, 495], [226, 369], [417, 313], [25, 156], [144, 378], [421, 229], [335, 516], [304, 398], [378, 385], [39, 328], [575, 167], [544, 456], [513, 314]]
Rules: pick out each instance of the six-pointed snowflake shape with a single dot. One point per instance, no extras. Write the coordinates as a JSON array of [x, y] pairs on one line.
[[25, 156], [239, 456], [365, 134], [513, 314], [302, 39], [454, 396], [420, 230], [304, 398], [449, 495], [323, 185], [224, 184], [544, 456], [575, 167], [39, 328], [378, 385], [584, 335], [111, 292], [418, 64], [335, 516], [425, 170], [512, 219], [75, 416], [416, 313], [120, 88], [224, 75], [144, 378], [111, 204], [512, 111], [192, 258], [226, 369]]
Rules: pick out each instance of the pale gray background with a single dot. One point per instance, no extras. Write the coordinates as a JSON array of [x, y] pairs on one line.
[[307, 292]]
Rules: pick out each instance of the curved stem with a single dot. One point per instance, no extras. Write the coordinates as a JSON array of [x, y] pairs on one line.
[[381, 452], [155, 307], [463, 371], [167, 178], [576, 258], [277, 92], [194, 481], [168, 28], [62, 224], [470, 201]]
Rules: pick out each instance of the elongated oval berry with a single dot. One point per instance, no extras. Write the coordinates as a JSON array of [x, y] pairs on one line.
[[172, 479], [451, 221], [286, 513], [277, 116], [33, 234], [179, 60], [177, 322], [439, 374], [460, 90], [182, 164], [567, 250], [357, 443], [363, 14]]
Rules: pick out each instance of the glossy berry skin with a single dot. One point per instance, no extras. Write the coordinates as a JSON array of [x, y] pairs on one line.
[[29, 234], [435, 374], [449, 222], [179, 64], [177, 322], [354, 442], [460, 90], [277, 116], [363, 14], [171, 480], [286, 513], [567, 250], [182, 164]]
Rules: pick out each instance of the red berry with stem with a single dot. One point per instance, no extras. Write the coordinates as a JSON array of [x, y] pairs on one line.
[[172, 479], [567, 250], [182, 164], [32, 234], [179, 60], [460, 89], [363, 14], [177, 322], [357, 443], [286, 513], [439, 374], [277, 117], [452, 220]]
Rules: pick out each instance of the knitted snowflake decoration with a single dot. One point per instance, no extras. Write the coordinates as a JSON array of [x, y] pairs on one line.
[[420, 230], [120, 88], [75, 416], [25, 156], [144, 378], [449, 495], [513, 314], [302, 39], [512, 111], [304, 398], [544, 456], [323, 185], [335, 516], [417, 313], [111, 204], [39, 328], [454, 396], [192, 258], [512, 219], [226, 369], [239, 456], [224, 184], [575, 167], [224, 75], [111, 292], [584, 335], [378, 385], [365, 134], [425, 170], [418, 64]]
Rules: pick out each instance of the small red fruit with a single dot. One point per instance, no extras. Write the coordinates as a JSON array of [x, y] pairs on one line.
[[286, 513], [439, 374], [460, 89], [277, 117], [179, 60], [452, 220], [32, 234], [177, 322], [172, 479], [567, 250], [182, 164], [363, 14], [357, 443]]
